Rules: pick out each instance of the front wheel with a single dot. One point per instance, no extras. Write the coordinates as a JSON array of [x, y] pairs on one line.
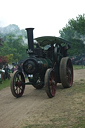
[[17, 84], [66, 72], [50, 83]]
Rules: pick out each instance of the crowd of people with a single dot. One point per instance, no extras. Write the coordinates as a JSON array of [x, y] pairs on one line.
[[6, 70]]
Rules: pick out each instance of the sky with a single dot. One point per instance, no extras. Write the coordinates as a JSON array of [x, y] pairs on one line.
[[46, 16]]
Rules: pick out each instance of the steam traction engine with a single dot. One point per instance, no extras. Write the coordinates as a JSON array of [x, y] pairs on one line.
[[46, 65]]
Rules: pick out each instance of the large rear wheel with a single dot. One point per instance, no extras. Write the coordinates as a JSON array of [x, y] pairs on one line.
[[17, 84], [50, 83], [66, 72]]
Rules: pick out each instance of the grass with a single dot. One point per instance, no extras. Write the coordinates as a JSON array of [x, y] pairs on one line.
[[40, 126], [74, 118], [4, 84], [79, 86], [81, 123], [76, 67]]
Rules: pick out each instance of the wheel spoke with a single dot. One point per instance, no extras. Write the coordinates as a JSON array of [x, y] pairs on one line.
[[20, 90], [17, 90], [17, 86]]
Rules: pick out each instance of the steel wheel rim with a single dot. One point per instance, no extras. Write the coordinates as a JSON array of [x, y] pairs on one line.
[[69, 72]]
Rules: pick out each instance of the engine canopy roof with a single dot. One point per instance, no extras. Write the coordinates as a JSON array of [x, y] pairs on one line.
[[46, 40]]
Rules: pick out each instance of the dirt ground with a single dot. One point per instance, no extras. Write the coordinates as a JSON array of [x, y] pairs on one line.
[[34, 107]]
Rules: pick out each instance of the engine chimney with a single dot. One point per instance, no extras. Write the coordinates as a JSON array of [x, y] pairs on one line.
[[30, 40]]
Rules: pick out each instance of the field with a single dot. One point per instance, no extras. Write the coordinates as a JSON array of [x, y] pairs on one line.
[[36, 110]]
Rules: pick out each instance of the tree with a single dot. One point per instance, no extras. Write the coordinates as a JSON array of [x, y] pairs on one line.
[[3, 60], [13, 43], [14, 46], [1, 42], [74, 32], [9, 58]]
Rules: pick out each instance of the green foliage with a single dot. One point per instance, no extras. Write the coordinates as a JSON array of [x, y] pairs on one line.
[[13, 44], [9, 58], [74, 32], [4, 84], [77, 47], [78, 24]]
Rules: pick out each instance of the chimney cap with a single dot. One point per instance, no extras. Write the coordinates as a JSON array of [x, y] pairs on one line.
[[29, 28]]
